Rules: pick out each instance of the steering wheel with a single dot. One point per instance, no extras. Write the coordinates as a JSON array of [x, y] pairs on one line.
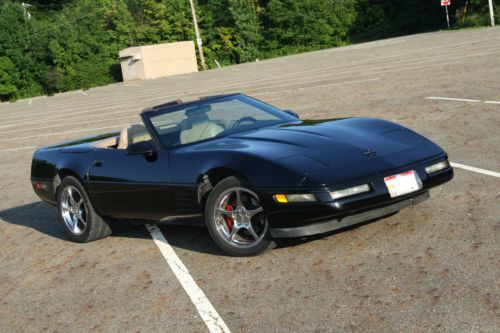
[[244, 119]]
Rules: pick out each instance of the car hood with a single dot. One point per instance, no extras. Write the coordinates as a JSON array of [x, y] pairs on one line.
[[315, 145]]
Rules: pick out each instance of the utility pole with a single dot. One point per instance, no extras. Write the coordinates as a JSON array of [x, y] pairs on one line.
[[27, 16], [198, 38], [492, 15]]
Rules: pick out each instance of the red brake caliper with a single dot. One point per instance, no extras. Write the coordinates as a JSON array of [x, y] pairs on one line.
[[229, 220]]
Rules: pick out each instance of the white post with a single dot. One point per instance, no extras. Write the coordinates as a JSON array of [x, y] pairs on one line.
[[492, 15], [448, 16]]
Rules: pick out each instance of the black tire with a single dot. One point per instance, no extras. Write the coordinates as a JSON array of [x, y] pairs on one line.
[[70, 206], [221, 230]]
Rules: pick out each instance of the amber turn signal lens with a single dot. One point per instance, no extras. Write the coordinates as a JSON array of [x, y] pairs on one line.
[[280, 198]]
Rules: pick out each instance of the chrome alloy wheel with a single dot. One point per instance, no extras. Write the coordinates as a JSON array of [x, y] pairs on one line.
[[239, 217], [74, 210]]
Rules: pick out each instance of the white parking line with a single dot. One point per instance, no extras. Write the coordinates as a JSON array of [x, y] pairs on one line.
[[14, 149], [155, 93], [462, 100], [455, 99], [54, 119], [62, 125], [62, 112], [312, 87], [207, 312], [474, 169], [66, 132]]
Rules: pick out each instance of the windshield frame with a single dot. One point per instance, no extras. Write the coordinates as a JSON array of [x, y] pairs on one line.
[[284, 118]]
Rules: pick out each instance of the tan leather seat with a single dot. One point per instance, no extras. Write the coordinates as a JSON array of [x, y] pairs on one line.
[[198, 127], [106, 143], [132, 134]]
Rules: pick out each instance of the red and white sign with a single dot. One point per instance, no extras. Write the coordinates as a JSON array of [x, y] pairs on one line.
[[402, 183], [445, 2]]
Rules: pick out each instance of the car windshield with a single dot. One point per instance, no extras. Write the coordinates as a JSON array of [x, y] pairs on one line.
[[193, 122]]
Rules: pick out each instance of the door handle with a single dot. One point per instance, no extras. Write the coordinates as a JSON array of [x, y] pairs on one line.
[[97, 163]]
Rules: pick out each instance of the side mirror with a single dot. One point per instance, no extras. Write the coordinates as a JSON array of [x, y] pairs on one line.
[[292, 113], [141, 148]]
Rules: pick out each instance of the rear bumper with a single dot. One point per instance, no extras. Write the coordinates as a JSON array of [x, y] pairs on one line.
[[338, 223], [44, 189]]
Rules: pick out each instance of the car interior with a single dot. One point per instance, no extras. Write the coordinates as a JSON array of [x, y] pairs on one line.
[[193, 124], [195, 127], [128, 135]]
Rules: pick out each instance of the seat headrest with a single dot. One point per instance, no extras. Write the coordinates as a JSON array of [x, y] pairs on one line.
[[199, 109], [128, 134]]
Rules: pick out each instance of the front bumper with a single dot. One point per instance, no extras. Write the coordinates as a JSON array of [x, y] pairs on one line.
[[327, 214], [334, 224]]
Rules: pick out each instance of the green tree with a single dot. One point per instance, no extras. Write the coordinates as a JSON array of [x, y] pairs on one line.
[[475, 13], [180, 20], [150, 17], [9, 79], [294, 26], [21, 46], [73, 44], [219, 33], [247, 28], [79, 49]]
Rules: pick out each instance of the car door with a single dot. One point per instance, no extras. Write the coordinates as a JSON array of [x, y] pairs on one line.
[[124, 185]]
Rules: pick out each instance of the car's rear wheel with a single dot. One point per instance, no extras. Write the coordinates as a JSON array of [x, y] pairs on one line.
[[236, 219], [79, 218]]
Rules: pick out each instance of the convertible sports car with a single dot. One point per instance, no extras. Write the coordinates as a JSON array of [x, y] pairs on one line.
[[250, 171]]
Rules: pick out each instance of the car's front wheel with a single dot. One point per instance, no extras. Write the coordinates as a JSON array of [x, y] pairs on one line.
[[235, 219], [80, 221]]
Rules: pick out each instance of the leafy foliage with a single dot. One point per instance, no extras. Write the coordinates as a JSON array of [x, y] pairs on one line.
[[59, 45], [475, 13]]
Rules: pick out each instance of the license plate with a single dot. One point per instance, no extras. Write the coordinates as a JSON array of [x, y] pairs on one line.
[[403, 183]]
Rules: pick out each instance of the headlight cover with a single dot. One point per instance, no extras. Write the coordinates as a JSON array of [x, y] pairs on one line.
[[294, 198], [350, 191], [437, 167]]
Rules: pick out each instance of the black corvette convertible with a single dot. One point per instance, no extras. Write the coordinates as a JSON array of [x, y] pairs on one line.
[[250, 171]]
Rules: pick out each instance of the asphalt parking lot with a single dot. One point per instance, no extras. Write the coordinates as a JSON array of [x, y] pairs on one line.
[[431, 268]]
